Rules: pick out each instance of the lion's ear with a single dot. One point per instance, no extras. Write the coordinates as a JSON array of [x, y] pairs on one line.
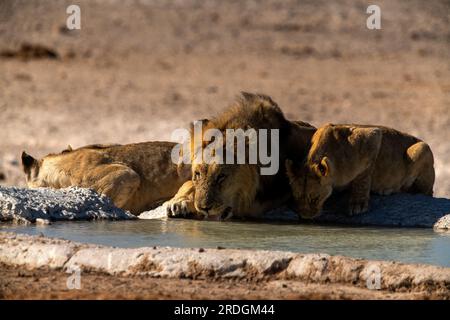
[[248, 96], [27, 162], [69, 149], [323, 168]]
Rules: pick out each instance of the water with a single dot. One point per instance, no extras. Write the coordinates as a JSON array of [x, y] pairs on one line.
[[405, 245]]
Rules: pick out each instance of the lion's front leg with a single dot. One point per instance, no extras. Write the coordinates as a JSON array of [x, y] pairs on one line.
[[368, 142], [117, 181], [182, 204], [360, 193]]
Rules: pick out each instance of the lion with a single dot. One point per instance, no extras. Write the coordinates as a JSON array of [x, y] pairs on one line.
[[137, 177], [360, 159], [221, 190]]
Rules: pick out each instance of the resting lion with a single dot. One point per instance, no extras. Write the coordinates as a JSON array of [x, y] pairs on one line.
[[240, 190], [361, 159], [137, 177]]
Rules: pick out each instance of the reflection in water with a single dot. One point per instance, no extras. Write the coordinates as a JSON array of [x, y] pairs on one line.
[[406, 245]]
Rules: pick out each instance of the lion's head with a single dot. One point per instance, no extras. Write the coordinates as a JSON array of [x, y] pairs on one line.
[[39, 173], [224, 189], [311, 186], [221, 189]]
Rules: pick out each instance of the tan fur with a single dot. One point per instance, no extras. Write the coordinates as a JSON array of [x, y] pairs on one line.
[[137, 177], [222, 190], [361, 159]]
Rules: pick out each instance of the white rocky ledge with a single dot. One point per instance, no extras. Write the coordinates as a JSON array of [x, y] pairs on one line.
[[39, 252], [43, 204], [399, 210]]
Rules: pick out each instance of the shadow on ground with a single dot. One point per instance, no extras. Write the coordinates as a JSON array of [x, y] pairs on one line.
[[399, 210]]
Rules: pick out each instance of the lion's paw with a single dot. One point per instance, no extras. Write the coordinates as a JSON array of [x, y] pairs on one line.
[[358, 206], [178, 208]]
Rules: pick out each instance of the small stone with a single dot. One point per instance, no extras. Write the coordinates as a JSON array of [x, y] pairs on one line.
[[201, 250], [220, 248], [43, 221], [443, 224]]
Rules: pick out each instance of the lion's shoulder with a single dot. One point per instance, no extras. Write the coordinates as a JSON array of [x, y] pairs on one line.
[[344, 142]]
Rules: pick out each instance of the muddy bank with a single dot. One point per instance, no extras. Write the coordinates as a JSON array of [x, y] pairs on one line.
[[35, 253], [21, 283]]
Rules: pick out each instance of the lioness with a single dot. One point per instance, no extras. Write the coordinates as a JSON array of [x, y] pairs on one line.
[[137, 177], [362, 159], [223, 190]]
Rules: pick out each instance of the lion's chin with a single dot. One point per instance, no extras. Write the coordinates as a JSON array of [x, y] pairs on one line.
[[225, 214]]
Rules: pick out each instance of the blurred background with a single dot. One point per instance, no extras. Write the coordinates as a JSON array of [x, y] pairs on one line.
[[138, 69]]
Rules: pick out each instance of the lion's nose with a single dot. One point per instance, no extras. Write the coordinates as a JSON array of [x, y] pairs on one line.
[[205, 209], [307, 213]]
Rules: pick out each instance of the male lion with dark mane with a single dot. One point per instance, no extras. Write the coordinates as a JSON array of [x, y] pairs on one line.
[[222, 190], [137, 177]]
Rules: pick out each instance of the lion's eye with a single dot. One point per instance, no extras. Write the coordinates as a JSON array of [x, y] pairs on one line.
[[314, 200], [220, 178]]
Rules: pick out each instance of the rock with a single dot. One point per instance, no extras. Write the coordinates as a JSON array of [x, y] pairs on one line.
[[43, 221], [393, 276], [29, 51], [252, 265], [157, 213], [28, 205], [44, 204], [398, 210], [2, 176], [37, 253], [443, 224]]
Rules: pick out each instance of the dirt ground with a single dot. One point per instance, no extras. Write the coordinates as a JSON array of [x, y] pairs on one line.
[[139, 69], [19, 283]]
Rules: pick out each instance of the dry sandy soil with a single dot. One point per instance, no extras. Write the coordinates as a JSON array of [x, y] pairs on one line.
[[139, 69], [20, 283]]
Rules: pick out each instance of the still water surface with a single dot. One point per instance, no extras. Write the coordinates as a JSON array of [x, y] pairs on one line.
[[406, 245]]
